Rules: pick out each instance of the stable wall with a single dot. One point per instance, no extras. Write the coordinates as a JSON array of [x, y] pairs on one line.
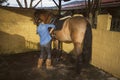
[[106, 46], [17, 31]]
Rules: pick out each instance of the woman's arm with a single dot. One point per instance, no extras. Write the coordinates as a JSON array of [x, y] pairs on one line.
[[51, 30], [50, 25]]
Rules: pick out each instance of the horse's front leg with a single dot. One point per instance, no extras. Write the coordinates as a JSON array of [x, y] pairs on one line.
[[57, 49], [79, 58]]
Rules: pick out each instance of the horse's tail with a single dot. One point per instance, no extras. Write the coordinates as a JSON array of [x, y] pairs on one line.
[[87, 45]]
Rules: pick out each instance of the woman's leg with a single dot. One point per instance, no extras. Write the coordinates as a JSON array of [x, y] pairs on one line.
[[40, 60], [48, 50], [48, 61], [42, 51]]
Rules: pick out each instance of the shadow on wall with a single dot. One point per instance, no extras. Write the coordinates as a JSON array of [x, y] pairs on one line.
[[32, 45], [11, 43]]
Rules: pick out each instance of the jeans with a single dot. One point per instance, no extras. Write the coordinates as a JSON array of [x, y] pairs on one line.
[[45, 49]]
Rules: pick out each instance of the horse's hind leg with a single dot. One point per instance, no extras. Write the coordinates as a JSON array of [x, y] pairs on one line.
[[79, 59]]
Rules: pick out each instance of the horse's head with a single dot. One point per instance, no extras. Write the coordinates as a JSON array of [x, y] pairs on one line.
[[42, 15]]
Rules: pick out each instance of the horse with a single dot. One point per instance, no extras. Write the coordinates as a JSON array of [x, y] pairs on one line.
[[74, 29]]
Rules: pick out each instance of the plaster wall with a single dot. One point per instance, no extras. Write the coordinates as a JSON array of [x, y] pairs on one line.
[[17, 31], [106, 46]]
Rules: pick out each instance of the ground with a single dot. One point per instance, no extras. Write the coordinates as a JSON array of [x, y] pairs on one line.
[[23, 67]]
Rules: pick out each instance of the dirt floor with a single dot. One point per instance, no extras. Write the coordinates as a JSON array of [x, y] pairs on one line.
[[23, 67]]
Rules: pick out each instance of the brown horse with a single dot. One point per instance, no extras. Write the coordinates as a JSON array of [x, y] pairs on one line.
[[76, 30]]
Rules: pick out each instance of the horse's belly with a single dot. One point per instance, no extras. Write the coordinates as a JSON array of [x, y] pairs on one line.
[[66, 40], [63, 37]]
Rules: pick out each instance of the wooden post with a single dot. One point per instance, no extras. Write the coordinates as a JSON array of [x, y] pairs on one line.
[[59, 7]]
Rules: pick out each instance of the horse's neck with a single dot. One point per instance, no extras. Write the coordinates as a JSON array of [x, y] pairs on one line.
[[46, 18]]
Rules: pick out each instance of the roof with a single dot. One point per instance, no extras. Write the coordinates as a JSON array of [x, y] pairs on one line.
[[81, 4]]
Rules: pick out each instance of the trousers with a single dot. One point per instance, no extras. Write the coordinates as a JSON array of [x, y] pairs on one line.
[[45, 49]]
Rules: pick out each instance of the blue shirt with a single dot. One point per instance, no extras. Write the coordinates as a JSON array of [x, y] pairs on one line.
[[44, 34]]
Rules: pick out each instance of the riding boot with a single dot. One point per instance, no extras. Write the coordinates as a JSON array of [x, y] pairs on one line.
[[48, 64], [40, 62]]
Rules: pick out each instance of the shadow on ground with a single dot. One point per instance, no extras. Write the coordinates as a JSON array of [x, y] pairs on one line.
[[23, 67]]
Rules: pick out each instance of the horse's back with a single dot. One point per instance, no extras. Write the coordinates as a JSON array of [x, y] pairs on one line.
[[78, 20]]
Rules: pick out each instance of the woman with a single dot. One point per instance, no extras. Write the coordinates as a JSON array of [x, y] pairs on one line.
[[45, 41]]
